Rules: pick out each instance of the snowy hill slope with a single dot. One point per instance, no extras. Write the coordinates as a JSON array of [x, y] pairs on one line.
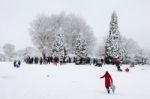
[[71, 82]]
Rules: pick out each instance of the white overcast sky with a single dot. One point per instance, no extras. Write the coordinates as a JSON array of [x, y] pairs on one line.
[[133, 16]]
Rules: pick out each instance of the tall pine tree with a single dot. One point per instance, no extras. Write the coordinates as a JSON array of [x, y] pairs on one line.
[[113, 45], [80, 47], [59, 47]]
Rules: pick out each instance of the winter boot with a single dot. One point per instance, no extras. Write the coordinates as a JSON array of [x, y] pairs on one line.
[[108, 91]]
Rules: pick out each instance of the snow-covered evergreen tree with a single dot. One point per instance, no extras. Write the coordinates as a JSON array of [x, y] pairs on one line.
[[113, 45], [59, 47], [80, 47]]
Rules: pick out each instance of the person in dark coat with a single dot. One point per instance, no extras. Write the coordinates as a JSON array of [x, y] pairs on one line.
[[61, 60], [41, 60], [48, 60], [19, 62], [15, 62], [108, 80], [117, 62], [98, 63], [132, 64]]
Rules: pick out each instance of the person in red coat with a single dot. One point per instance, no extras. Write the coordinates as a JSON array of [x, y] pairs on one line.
[[108, 80]]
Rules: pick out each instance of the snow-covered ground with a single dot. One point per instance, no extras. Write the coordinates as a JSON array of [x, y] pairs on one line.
[[71, 82]]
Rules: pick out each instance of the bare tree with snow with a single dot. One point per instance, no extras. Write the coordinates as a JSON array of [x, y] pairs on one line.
[[42, 32], [26, 52], [9, 50], [131, 47], [44, 28]]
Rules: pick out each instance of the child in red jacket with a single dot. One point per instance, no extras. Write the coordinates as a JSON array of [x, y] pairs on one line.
[[108, 80]]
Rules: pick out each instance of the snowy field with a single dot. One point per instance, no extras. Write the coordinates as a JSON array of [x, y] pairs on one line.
[[71, 82]]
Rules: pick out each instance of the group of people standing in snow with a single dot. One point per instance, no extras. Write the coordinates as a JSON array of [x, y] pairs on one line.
[[47, 60], [63, 60], [78, 61]]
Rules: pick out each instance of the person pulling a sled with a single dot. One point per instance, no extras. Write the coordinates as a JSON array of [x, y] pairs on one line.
[[108, 81]]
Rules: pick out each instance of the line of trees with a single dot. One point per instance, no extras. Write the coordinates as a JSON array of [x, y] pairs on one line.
[[8, 53], [44, 28], [58, 35]]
